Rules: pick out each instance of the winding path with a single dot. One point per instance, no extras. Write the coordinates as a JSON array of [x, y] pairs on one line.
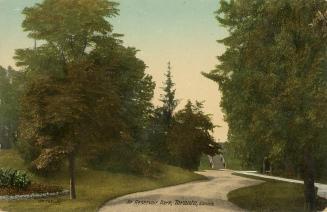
[[210, 195]]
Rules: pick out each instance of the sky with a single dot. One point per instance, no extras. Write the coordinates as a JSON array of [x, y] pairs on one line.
[[183, 32]]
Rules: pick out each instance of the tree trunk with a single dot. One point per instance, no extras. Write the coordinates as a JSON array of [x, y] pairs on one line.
[[309, 179], [71, 167]]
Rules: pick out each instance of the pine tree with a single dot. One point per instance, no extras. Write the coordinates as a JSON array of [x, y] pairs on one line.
[[162, 119], [168, 98]]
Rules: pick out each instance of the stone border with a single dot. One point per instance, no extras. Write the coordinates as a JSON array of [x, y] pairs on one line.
[[33, 196]]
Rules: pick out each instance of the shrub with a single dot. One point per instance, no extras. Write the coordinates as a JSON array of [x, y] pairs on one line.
[[143, 165], [126, 158], [14, 179], [30, 153]]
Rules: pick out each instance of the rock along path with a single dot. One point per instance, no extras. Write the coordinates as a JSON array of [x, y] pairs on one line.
[[210, 195]]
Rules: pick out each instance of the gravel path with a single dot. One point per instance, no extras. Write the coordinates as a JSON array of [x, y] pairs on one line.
[[197, 196]]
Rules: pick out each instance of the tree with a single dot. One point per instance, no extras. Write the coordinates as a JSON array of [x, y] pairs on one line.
[[66, 40], [85, 91], [125, 78], [55, 118], [136, 89], [168, 98], [190, 136], [161, 120], [157, 136], [274, 83], [9, 92]]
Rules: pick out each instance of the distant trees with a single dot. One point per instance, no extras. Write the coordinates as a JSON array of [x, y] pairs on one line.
[[274, 83], [180, 138], [190, 136], [9, 92], [85, 91]]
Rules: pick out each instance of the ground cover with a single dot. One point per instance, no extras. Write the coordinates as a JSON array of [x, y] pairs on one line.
[[271, 195], [94, 187]]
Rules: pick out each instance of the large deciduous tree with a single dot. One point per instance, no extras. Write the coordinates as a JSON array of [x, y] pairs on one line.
[[274, 82], [85, 91]]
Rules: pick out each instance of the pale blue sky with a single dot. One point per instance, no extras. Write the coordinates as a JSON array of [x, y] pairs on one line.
[[181, 31]]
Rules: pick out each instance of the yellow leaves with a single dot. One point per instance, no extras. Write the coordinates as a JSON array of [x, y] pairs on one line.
[[49, 157]]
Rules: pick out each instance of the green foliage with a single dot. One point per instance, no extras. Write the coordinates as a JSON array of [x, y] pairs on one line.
[[94, 186], [14, 179], [85, 91], [10, 88], [273, 79], [160, 122], [274, 82], [272, 196], [129, 82], [69, 26], [51, 109], [168, 98], [81, 79], [157, 136], [126, 158], [145, 166], [232, 158], [190, 137]]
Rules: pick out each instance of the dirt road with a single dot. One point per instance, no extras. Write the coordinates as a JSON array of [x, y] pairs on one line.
[[201, 196]]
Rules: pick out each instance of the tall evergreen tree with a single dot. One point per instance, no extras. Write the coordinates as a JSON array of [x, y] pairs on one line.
[[274, 83], [168, 98], [162, 120]]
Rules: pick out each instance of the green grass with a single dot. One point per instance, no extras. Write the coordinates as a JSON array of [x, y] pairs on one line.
[[93, 187], [271, 196]]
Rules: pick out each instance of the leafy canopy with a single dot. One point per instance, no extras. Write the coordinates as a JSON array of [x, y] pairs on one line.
[[190, 136]]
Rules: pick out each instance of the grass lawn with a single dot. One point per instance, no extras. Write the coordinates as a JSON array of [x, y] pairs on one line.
[[93, 187], [271, 196]]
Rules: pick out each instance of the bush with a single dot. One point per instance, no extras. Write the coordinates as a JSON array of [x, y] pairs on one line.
[[10, 178], [31, 153], [125, 158], [143, 165]]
